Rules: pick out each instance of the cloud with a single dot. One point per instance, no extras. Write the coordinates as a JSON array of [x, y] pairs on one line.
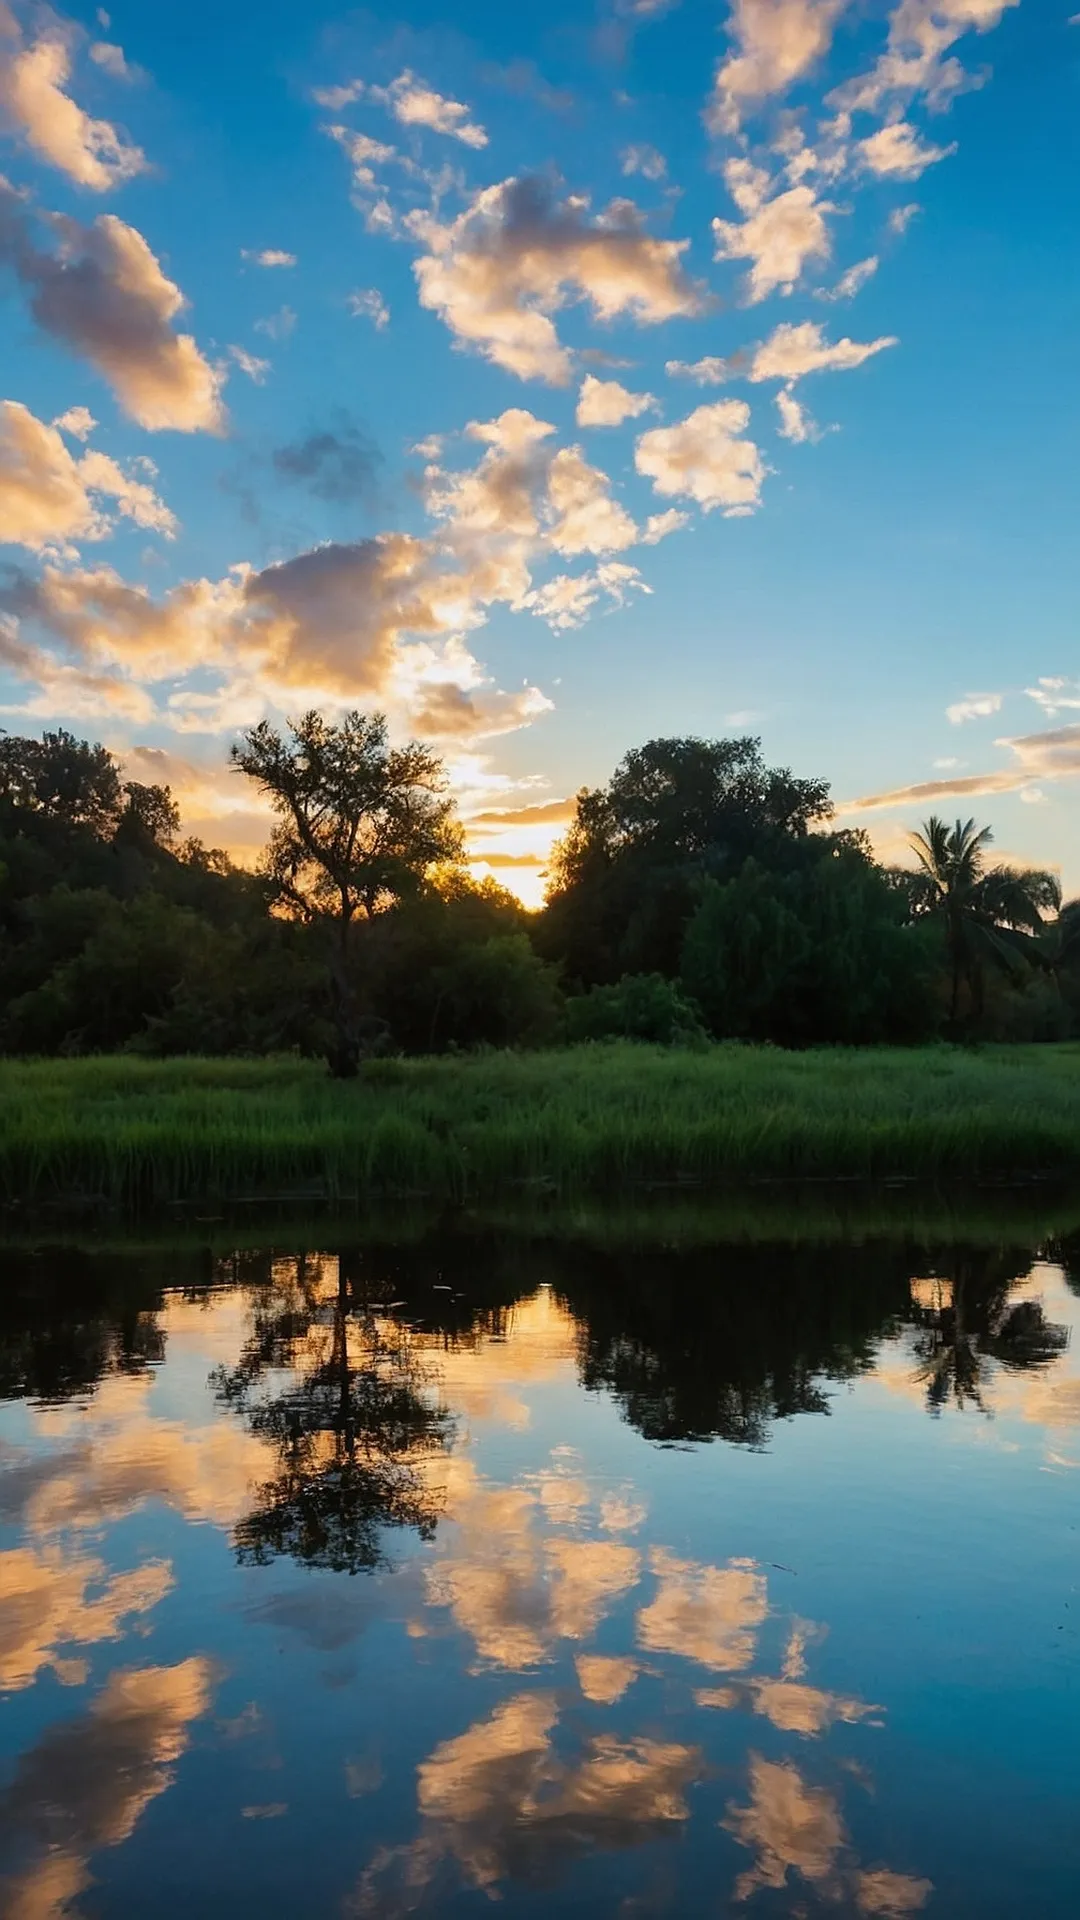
[[364, 152], [104, 295], [33, 101], [110, 58], [643, 159], [852, 281], [659, 525], [795, 423], [268, 257], [49, 499], [383, 618], [896, 152], [796, 349], [712, 371], [517, 253], [920, 34], [76, 420], [1054, 755], [250, 363], [367, 303], [778, 42], [901, 218], [702, 459], [567, 600], [540, 813], [414, 104], [604, 403], [277, 326], [1054, 693], [337, 463], [974, 706], [779, 238]]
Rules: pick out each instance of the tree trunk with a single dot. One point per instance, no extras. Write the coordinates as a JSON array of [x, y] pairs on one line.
[[344, 1056]]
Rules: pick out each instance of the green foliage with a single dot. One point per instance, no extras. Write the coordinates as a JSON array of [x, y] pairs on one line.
[[629, 872], [991, 916], [360, 825], [641, 1006], [817, 954], [580, 1120]]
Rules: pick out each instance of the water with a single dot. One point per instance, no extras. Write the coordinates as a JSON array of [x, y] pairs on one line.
[[588, 1579]]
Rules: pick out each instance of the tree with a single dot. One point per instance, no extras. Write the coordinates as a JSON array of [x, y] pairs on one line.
[[151, 817], [989, 915], [629, 872], [360, 825], [65, 778], [816, 954]]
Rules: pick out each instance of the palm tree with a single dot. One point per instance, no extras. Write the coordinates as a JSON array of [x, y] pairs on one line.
[[989, 913]]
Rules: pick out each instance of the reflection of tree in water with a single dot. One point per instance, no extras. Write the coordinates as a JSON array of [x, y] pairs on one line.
[[68, 1319], [352, 1428], [718, 1344], [967, 1325]]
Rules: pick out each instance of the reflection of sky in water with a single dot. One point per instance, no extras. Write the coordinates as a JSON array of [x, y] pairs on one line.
[[279, 1636]]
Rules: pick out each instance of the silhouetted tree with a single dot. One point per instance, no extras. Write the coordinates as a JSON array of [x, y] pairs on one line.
[[360, 824], [629, 872], [989, 914]]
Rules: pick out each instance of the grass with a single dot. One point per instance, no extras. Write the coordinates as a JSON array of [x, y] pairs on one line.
[[589, 1120]]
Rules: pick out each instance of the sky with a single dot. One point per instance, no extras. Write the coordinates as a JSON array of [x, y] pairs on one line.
[[550, 379]]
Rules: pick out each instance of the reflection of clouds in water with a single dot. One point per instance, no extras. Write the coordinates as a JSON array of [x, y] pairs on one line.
[[205, 1473], [482, 1377], [796, 1829], [111, 1453], [45, 1604], [604, 1677], [513, 1588], [87, 1782], [499, 1801], [708, 1614]]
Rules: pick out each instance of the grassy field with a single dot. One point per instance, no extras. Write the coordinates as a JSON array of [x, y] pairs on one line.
[[591, 1120]]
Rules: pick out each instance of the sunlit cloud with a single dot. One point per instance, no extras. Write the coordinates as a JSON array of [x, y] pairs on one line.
[[49, 499], [780, 238], [896, 152], [851, 282], [777, 42], [796, 424], [702, 458], [796, 349], [605, 403], [517, 254], [974, 706], [102, 293], [921, 32], [414, 104], [33, 101]]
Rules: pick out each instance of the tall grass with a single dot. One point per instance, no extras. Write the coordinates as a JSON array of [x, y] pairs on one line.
[[587, 1120]]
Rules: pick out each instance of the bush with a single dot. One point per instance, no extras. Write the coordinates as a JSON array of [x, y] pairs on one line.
[[640, 1006]]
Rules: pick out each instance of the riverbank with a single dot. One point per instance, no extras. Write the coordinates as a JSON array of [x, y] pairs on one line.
[[589, 1120]]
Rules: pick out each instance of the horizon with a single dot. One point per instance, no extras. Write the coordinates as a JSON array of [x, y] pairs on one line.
[[550, 386]]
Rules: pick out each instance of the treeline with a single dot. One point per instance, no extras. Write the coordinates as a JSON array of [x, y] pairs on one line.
[[699, 895]]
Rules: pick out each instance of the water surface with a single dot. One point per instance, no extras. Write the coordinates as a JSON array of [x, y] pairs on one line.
[[605, 1581]]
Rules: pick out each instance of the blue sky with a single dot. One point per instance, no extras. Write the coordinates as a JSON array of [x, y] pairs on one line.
[[550, 379]]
